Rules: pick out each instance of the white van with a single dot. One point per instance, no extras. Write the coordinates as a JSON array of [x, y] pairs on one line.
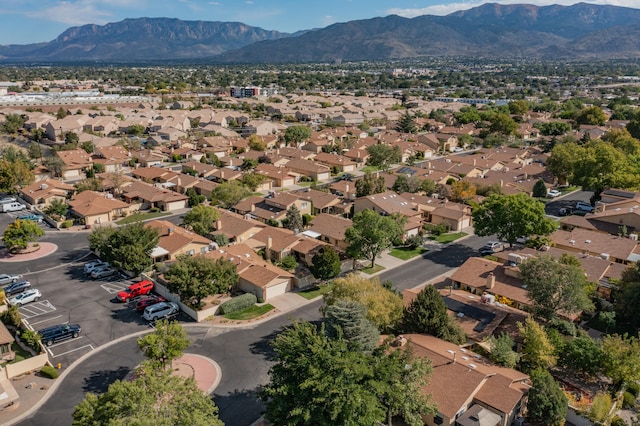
[[12, 207]]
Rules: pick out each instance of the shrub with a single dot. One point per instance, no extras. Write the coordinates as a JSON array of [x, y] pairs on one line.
[[11, 316], [31, 339], [289, 263], [565, 327], [154, 210], [629, 400], [600, 407], [237, 303], [633, 388], [413, 241], [306, 218], [436, 229], [618, 421], [48, 371], [67, 223]]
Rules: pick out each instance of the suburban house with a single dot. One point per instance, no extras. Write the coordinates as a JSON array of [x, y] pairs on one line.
[[285, 200], [94, 208], [235, 227], [150, 196], [43, 192], [310, 169], [593, 243], [256, 276], [281, 176], [6, 340], [148, 158], [175, 241], [466, 387], [330, 229], [76, 162], [321, 202], [338, 163]]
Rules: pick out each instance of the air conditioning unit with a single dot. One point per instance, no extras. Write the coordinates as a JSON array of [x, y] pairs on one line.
[[634, 237]]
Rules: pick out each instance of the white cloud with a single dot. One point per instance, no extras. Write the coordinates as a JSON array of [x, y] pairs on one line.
[[214, 3], [445, 9], [72, 14]]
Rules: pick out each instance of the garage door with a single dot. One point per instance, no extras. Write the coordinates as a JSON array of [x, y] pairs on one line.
[[277, 289]]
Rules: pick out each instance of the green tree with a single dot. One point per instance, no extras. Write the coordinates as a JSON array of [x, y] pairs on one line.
[[157, 398], [12, 123], [401, 184], [553, 128], [295, 135], [462, 191], [511, 217], [503, 124], [427, 313], [99, 238], [519, 107], [196, 277], [621, 358], [136, 129], [62, 113], [370, 184], [256, 143], [228, 194], [383, 155], [35, 151], [502, 352], [201, 219], [14, 175], [37, 134], [348, 319], [370, 235], [537, 350], [195, 199], [167, 342], [633, 127], [540, 189], [428, 186], [384, 307], [406, 124], [467, 114], [325, 264], [57, 209], [554, 286], [600, 165], [547, 404], [253, 180], [293, 219], [592, 115], [130, 246], [20, 233], [582, 354]]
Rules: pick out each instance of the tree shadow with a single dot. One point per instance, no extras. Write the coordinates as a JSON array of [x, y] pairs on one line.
[[452, 255], [99, 381], [263, 345], [240, 407]]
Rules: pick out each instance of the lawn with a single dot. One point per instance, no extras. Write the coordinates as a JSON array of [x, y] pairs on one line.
[[137, 217], [21, 354], [249, 313], [314, 292], [406, 253], [373, 270], [447, 238]]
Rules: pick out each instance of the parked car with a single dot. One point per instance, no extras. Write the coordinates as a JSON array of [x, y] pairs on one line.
[[31, 216], [7, 278], [136, 289], [56, 333], [12, 207], [553, 193], [145, 302], [96, 264], [585, 207], [103, 272], [491, 247], [5, 200], [28, 296], [565, 211], [17, 287], [160, 311]]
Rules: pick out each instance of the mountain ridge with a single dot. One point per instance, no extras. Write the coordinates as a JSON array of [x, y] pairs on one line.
[[491, 30]]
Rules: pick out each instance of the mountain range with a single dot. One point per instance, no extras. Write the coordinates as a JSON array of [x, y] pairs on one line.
[[581, 31]]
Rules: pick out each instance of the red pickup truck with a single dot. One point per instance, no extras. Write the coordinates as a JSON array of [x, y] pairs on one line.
[[138, 289]]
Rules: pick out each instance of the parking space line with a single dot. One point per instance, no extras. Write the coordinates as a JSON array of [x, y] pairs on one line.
[[72, 350], [36, 308], [113, 288], [46, 320]]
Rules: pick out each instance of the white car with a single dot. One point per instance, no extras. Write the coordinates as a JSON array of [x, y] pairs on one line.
[[160, 310], [554, 193], [28, 296]]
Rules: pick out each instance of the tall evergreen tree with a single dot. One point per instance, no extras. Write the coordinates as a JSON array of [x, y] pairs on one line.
[[406, 124], [428, 314], [325, 264], [349, 319], [293, 219], [547, 403]]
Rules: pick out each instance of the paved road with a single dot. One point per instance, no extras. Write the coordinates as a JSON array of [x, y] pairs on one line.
[[433, 263], [243, 355]]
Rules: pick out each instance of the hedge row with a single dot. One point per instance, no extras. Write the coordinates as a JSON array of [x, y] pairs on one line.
[[238, 302]]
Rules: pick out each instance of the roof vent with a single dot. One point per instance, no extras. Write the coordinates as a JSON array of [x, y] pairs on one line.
[[472, 365], [588, 241]]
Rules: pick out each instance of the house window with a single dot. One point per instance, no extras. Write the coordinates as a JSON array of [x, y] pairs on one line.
[[191, 252], [304, 205], [438, 419], [204, 249]]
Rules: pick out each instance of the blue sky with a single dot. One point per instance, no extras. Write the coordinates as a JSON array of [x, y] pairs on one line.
[[32, 21]]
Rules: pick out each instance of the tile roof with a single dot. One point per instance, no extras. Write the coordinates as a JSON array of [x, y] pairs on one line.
[[330, 225], [90, 203]]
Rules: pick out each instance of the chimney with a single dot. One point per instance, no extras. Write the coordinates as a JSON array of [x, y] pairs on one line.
[[346, 189], [269, 243], [253, 207], [218, 225], [170, 230], [491, 280]]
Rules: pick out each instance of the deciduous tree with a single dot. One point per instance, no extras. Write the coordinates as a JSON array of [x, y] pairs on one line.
[[325, 264], [20, 233], [201, 219], [295, 135], [582, 354], [196, 277], [511, 216], [621, 358], [502, 352], [14, 175], [128, 247], [230, 193], [384, 307], [370, 235], [537, 351], [554, 286], [166, 343], [370, 184]]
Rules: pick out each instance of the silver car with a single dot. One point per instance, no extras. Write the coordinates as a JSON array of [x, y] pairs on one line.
[[8, 279], [28, 296]]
